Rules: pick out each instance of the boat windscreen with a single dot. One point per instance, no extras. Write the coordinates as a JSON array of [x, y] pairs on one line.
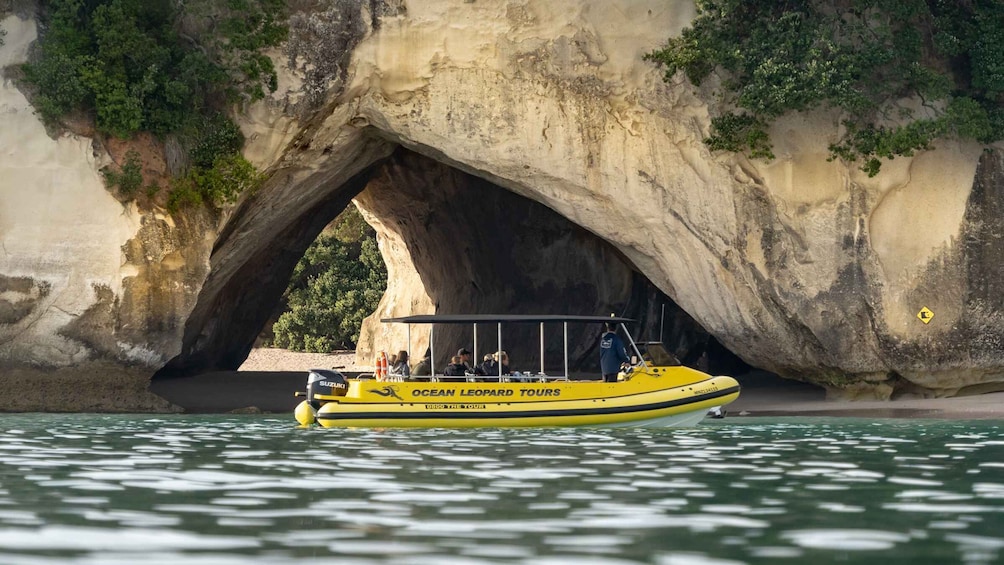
[[655, 352]]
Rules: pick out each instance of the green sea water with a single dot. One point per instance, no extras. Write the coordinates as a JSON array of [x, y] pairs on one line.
[[244, 490]]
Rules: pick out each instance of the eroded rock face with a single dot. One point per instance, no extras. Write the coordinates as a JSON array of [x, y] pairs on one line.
[[83, 277], [255, 254], [459, 244], [801, 266]]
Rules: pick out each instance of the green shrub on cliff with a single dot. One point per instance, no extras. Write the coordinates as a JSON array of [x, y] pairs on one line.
[[159, 66], [130, 177], [338, 282], [221, 183], [153, 65], [864, 57], [218, 174]]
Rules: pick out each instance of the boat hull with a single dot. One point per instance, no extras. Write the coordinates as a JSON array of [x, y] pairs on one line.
[[654, 399]]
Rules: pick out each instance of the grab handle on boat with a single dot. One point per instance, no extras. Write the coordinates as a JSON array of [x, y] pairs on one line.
[[299, 393]]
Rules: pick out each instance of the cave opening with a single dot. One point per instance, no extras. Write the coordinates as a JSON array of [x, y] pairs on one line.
[[454, 243]]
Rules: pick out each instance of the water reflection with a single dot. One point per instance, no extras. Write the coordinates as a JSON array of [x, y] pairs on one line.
[[250, 489]]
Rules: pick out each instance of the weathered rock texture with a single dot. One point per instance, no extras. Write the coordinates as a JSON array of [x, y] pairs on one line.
[[801, 266], [459, 244]]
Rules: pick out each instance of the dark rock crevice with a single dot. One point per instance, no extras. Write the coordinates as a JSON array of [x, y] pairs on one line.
[[28, 293], [220, 334], [479, 248], [255, 254]]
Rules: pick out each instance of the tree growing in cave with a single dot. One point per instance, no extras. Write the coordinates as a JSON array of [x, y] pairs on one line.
[[338, 282]]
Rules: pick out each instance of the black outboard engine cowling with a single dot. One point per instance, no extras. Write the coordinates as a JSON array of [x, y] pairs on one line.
[[327, 382]]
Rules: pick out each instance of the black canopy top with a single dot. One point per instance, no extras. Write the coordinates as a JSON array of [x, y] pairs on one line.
[[502, 318]]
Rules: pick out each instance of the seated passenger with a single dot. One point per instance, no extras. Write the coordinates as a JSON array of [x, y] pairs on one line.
[[465, 357], [488, 366], [455, 369], [400, 367], [505, 363], [465, 360], [491, 366], [423, 368]]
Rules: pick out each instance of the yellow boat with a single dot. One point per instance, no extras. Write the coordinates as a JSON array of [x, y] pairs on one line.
[[655, 392]]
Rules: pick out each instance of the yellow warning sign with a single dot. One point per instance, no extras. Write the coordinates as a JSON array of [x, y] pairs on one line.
[[925, 315]]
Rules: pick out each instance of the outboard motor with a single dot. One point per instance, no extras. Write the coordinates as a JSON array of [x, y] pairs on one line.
[[319, 381], [327, 382]]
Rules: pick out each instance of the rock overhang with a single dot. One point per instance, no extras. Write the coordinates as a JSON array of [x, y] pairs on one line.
[[784, 261], [799, 266]]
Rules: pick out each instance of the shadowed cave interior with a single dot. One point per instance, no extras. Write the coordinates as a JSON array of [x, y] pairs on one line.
[[477, 248]]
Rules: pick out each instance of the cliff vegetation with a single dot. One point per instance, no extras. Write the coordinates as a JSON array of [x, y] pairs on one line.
[[338, 282], [173, 69], [903, 72]]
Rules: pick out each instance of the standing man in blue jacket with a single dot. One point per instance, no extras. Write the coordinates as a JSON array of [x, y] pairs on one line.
[[612, 354]]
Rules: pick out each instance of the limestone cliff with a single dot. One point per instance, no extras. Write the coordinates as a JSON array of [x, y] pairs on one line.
[[460, 244], [800, 266]]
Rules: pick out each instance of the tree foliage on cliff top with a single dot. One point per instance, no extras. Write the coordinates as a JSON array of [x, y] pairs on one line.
[[152, 65], [160, 66], [338, 282], [864, 57]]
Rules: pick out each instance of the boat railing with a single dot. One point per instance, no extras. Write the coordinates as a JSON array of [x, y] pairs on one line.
[[513, 378], [499, 320]]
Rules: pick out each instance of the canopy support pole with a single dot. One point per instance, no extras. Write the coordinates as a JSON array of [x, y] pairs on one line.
[[542, 348], [565, 324], [634, 346]]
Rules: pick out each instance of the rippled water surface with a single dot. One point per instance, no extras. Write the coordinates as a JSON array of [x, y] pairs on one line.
[[253, 489]]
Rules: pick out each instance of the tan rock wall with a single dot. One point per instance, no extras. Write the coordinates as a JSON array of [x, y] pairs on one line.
[[459, 244], [60, 228], [84, 275], [800, 265]]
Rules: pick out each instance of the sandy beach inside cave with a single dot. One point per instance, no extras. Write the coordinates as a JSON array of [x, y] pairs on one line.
[[270, 359], [763, 395]]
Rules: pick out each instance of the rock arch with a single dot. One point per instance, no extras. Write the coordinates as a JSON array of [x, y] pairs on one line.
[[802, 266], [467, 246]]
